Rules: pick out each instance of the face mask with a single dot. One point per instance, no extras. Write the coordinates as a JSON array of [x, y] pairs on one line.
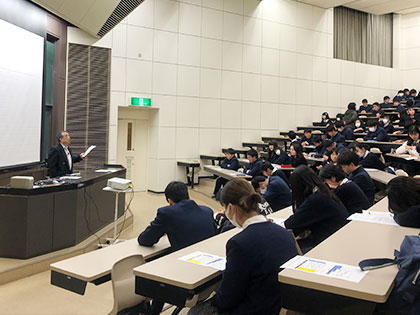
[[278, 152], [371, 129], [338, 119], [400, 94], [357, 125], [385, 121], [233, 220], [360, 154]]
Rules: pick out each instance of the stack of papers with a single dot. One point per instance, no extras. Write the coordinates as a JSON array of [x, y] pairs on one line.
[[204, 259], [325, 268], [374, 217]]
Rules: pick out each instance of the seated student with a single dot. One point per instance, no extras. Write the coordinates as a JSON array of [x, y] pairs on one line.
[[406, 93], [396, 105], [274, 190], [292, 136], [335, 135], [275, 154], [230, 162], [318, 213], [345, 131], [367, 158], [404, 200], [365, 107], [350, 116], [387, 102], [254, 166], [350, 164], [375, 132], [268, 169], [296, 155], [319, 146], [377, 111], [307, 138], [183, 221], [253, 256], [358, 126], [409, 146], [339, 117], [386, 123], [349, 193], [325, 119], [411, 119]]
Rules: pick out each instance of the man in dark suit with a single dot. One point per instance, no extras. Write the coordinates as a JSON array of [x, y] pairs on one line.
[[183, 221], [60, 158]]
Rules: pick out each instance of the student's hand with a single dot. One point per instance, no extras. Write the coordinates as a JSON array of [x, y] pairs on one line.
[[363, 112], [319, 167], [398, 132], [240, 170], [305, 143], [378, 115], [399, 141], [82, 155], [223, 211], [325, 158]]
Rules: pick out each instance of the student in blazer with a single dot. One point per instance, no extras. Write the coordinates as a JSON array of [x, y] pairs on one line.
[[60, 158], [274, 190], [253, 258], [404, 200], [349, 193], [254, 166], [230, 162], [375, 132], [317, 212], [367, 158], [350, 164]]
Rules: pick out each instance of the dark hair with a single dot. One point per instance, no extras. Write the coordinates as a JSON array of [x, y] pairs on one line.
[[386, 98], [255, 182], [403, 192], [252, 153], [305, 182], [307, 131], [339, 115], [359, 145], [176, 191], [413, 91], [326, 115], [230, 151], [240, 192], [317, 139], [364, 100], [397, 99], [330, 128], [413, 129], [298, 148], [291, 134], [339, 124], [376, 103], [352, 106], [347, 157], [328, 143], [330, 170], [60, 135], [266, 165], [418, 147], [372, 123], [273, 143], [406, 90]]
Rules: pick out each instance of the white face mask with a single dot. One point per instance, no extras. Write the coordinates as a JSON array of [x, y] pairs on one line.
[[263, 191], [338, 119], [385, 121], [372, 129], [233, 220], [360, 154], [357, 125], [278, 152]]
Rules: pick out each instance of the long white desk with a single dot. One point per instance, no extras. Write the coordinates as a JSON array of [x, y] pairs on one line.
[[380, 176], [73, 273], [228, 174]]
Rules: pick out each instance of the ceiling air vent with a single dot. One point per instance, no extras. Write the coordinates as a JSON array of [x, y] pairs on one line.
[[123, 9]]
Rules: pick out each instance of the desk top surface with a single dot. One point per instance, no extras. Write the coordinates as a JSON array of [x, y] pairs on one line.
[[93, 265], [188, 163], [380, 176], [406, 157], [349, 245], [170, 270], [214, 169]]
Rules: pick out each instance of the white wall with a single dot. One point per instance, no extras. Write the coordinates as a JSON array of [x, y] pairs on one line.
[[227, 71], [410, 50]]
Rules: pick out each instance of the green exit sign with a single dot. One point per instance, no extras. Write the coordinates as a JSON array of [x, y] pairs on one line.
[[139, 101]]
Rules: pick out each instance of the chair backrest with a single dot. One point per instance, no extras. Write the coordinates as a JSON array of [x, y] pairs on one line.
[[379, 153], [401, 173], [296, 243], [123, 283]]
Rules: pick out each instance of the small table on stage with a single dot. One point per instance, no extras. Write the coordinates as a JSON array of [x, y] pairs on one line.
[[188, 164]]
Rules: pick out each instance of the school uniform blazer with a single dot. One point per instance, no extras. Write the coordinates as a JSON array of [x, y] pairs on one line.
[[250, 281], [348, 133], [367, 108], [363, 180], [352, 197], [320, 149], [185, 223], [386, 105], [389, 128], [372, 161], [282, 175], [296, 161], [309, 140], [378, 135], [338, 138], [58, 164], [320, 214], [278, 193], [232, 164], [253, 169], [278, 159], [409, 218]]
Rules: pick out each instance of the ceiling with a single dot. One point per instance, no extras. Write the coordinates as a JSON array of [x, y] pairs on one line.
[[371, 6]]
